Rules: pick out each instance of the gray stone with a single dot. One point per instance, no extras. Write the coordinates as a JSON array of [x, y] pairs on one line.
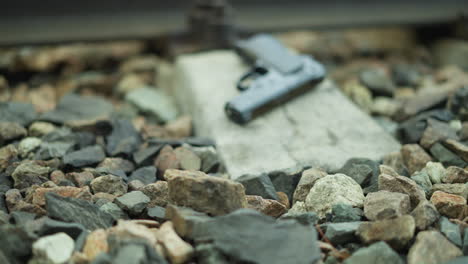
[[436, 131], [136, 252], [307, 218], [21, 113], [10, 131], [364, 171], [395, 161], [145, 155], [436, 171], [157, 213], [451, 231], [84, 157], [29, 173], [253, 148], [207, 253], [461, 260], [153, 102], [209, 158], [55, 249], [76, 231], [109, 184], [342, 233], [73, 109], [28, 145], [260, 185], [458, 148], [446, 157], [133, 202], [331, 190], [308, 179], [378, 252], [346, 213], [229, 234], [124, 139], [114, 210], [425, 214], [146, 175], [49, 150], [185, 219], [465, 242], [384, 205], [16, 243], [406, 75], [397, 232], [76, 210], [422, 179], [431, 247], [21, 218], [286, 180], [377, 81], [411, 130]]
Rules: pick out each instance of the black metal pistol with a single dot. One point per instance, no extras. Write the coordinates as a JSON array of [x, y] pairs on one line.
[[277, 76]]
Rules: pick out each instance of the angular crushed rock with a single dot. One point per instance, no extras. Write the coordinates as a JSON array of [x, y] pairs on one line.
[[431, 247]]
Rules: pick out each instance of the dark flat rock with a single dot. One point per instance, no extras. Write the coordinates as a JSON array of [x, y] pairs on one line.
[[84, 157], [21, 113]]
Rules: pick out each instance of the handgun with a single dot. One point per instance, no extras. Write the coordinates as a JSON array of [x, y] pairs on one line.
[[277, 76]]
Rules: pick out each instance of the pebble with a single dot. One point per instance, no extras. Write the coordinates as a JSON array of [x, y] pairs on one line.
[[283, 199], [406, 75], [166, 159], [307, 218], [133, 202], [22, 113], [75, 110], [308, 179], [422, 179], [436, 171], [158, 192], [38, 195], [436, 131], [212, 195], [28, 145], [114, 210], [345, 213], [385, 106], [207, 253], [269, 207], [124, 138], [8, 154], [109, 184], [359, 94], [285, 181], [397, 232], [451, 231], [361, 170], [414, 157], [76, 210], [209, 158], [342, 233], [378, 252], [450, 205], [377, 81], [188, 159], [10, 131], [185, 219], [431, 247], [84, 157], [146, 175], [29, 173], [260, 185], [446, 157], [384, 205], [117, 164], [332, 190], [80, 179], [177, 250], [455, 175], [96, 243], [401, 184], [55, 248], [153, 102], [144, 156], [458, 148], [230, 232], [460, 189], [157, 213], [40, 128], [425, 214]]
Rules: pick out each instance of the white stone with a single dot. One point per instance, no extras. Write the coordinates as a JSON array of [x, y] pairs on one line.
[[56, 248], [436, 171], [321, 128], [332, 190], [28, 144]]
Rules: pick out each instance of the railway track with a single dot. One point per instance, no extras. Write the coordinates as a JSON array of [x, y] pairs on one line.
[[32, 22]]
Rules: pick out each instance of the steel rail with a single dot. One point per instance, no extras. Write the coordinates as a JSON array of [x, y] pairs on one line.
[[30, 22]]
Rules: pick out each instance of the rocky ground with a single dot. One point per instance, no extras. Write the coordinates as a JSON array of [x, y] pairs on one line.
[[98, 166]]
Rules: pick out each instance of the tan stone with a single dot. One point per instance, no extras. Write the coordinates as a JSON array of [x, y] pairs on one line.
[[166, 159], [450, 205], [307, 181], [266, 206], [455, 175], [176, 249], [38, 196], [184, 219], [414, 157], [179, 128], [158, 192], [401, 184], [283, 199], [96, 243], [457, 147], [131, 229], [170, 173]]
